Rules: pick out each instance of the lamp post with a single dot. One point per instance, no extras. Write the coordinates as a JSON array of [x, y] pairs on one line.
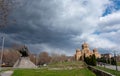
[[104, 57], [2, 53], [115, 60], [104, 60]]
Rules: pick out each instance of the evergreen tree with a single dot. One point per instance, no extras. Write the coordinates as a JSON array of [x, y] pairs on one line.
[[113, 62], [108, 60], [91, 60]]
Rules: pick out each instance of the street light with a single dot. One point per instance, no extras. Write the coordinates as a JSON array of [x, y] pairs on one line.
[[2, 52], [115, 60], [104, 57]]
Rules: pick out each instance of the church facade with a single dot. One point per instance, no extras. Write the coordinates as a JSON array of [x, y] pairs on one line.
[[86, 51]]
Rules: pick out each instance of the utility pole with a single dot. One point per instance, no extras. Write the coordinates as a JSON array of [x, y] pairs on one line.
[[2, 52]]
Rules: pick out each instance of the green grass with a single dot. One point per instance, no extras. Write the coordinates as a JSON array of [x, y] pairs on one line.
[[6, 69], [57, 69], [67, 64], [46, 72], [114, 72], [118, 63]]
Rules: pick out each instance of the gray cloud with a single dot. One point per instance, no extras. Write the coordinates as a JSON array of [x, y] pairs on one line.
[[54, 24]]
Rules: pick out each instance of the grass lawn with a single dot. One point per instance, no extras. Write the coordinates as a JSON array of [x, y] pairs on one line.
[[6, 69], [46, 72], [118, 63], [114, 72], [67, 64], [57, 69]]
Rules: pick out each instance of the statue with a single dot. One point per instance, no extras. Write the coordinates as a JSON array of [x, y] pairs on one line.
[[24, 51], [24, 60]]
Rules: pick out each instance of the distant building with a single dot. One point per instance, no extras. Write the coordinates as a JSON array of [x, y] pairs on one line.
[[118, 58], [107, 55], [78, 55], [97, 54], [86, 51]]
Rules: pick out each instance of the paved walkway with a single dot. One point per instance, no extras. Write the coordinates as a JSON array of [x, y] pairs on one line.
[[7, 73], [112, 67]]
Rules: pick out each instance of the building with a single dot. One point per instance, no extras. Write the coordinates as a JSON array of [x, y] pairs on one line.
[[118, 58], [79, 55], [97, 54], [107, 55]]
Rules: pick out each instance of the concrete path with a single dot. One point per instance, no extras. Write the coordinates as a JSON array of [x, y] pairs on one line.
[[6, 73], [113, 67]]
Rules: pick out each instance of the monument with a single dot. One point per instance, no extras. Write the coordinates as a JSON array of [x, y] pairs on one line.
[[24, 60]]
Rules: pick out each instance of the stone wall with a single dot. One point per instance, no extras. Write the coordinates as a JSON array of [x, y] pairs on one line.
[[99, 72]]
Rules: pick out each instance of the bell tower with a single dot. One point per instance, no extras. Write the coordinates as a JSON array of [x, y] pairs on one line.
[[85, 45]]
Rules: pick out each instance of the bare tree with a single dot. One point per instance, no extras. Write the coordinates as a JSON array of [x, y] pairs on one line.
[[33, 58], [54, 57], [10, 56], [63, 57], [44, 58], [58, 58]]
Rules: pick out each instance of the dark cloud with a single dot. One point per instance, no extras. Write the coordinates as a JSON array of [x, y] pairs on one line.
[[34, 25], [52, 24]]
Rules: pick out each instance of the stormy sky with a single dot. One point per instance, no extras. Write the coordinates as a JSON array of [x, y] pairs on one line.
[[61, 26]]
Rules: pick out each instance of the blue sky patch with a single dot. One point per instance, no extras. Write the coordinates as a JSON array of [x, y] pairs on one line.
[[114, 6]]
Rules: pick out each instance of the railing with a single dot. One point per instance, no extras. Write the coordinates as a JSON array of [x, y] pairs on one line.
[[99, 72]]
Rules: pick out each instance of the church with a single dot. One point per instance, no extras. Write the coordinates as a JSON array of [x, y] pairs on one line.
[[86, 51]]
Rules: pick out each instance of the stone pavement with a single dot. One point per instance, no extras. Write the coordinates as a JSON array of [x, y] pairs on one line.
[[6, 73]]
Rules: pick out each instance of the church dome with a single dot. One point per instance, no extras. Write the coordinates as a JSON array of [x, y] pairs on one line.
[[95, 50], [77, 50], [84, 45]]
